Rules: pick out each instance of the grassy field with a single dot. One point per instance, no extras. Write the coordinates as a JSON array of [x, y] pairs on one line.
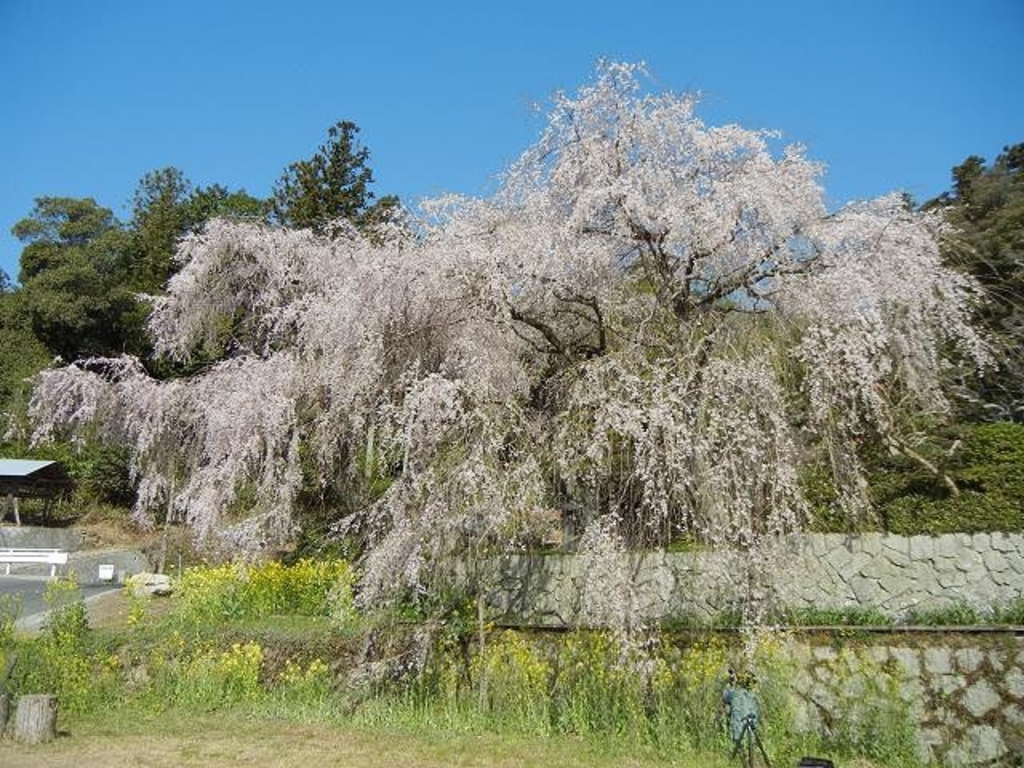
[[218, 740]]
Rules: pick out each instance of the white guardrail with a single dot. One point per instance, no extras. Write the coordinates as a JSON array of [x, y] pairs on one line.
[[51, 557]]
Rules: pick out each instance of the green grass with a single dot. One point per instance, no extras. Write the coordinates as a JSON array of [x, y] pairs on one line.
[[175, 739], [957, 615], [836, 617]]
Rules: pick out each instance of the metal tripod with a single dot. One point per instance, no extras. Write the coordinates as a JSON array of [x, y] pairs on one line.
[[751, 736]]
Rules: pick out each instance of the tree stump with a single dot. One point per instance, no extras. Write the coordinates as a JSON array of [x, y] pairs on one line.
[[35, 719]]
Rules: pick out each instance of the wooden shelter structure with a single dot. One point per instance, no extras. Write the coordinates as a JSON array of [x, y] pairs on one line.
[[31, 479]]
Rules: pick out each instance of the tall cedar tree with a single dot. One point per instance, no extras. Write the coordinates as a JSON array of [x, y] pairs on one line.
[[334, 184]]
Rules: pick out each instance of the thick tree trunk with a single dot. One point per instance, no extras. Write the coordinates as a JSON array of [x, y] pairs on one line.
[[5, 709], [35, 719]]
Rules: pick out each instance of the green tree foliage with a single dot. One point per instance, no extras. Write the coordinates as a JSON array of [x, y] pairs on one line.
[[55, 225], [82, 272], [21, 356], [986, 205], [333, 184], [166, 206], [74, 294], [159, 218]]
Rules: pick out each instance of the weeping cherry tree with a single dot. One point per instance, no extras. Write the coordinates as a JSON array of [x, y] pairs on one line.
[[654, 320]]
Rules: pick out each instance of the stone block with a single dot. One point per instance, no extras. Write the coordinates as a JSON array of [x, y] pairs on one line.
[[947, 546], [1015, 562], [981, 542], [981, 698], [912, 693], [927, 741], [921, 547], [985, 744], [898, 544], [858, 561], [879, 654], [149, 584], [947, 685], [994, 561], [824, 653], [938, 661], [952, 579], [868, 591], [957, 756], [878, 568], [1014, 715], [837, 558], [900, 584], [969, 659], [1013, 683], [898, 560], [871, 544], [967, 560], [818, 544], [948, 717], [1002, 543], [1006, 578], [907, 658]]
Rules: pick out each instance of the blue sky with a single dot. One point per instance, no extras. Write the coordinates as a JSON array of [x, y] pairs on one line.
[[890, 94]]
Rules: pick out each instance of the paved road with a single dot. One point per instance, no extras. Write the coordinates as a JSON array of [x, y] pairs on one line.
[[32, 588]]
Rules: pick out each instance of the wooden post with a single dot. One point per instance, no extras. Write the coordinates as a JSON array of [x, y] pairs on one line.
[[35, 719]]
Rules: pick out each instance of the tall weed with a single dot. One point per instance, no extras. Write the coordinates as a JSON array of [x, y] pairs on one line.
[[513, 680], [234, 591], [211, 678], [61, 662]]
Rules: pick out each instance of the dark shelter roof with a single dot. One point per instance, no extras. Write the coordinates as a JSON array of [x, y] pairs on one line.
[[27, 478]]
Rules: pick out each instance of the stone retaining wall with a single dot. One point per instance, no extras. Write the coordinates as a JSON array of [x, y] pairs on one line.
[[966, 693], [897, 574], [892, 574], [38, 537]]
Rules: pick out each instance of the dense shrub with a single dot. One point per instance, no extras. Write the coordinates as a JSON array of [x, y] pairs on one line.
[[986, 461]]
